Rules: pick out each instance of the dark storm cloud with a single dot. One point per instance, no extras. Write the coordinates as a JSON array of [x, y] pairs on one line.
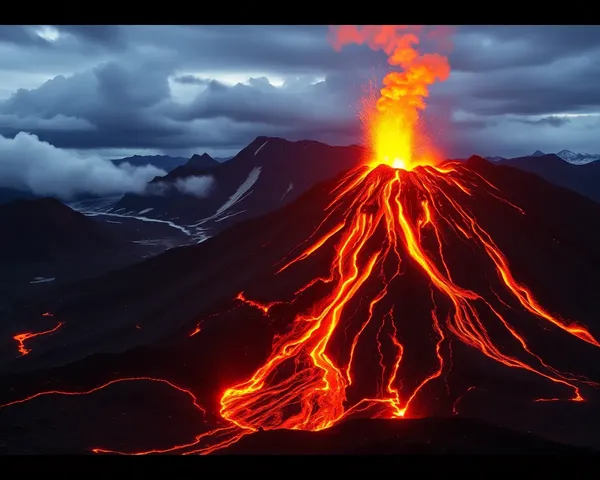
[[570, 87], [291, 105], [553, 121], [21, 35], [178, 87], [107, 35], [291, 49], [192, 80], [124, 106], [485, 48]]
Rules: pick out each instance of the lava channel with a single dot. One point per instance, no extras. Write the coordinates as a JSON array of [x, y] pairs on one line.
[[384, 224]]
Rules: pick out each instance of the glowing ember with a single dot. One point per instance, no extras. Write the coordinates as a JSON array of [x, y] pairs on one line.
[[395, 214]]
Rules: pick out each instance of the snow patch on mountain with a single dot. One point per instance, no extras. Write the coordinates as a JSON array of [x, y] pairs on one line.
[[220, 219], [42, 280], [577, 158], [142, 219], [240, 194], [289, 189], [568, 156], [260, 148], [101, 204]]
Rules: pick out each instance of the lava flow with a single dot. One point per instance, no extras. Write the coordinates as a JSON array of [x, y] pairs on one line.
[[21, 338], [352, 352]]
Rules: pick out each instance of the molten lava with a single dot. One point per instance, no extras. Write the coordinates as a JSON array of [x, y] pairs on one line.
[[21, 338], [351, 354]]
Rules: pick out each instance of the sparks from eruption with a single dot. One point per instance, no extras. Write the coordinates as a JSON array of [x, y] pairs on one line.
[[398, 209], [21, 338], [391, 119]]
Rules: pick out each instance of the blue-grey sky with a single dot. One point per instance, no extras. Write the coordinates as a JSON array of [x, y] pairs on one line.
[[118, 90]]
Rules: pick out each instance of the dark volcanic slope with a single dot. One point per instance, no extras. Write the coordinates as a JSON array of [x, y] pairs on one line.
[[160, 302], [265, 175], [44, 241], [381, 437], [37, 230], [584, 179], [11, 194]]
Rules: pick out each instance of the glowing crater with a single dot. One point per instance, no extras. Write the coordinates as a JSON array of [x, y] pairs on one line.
[[398, 163]]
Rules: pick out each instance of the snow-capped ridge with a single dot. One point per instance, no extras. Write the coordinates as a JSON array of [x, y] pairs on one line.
[[577, 158]]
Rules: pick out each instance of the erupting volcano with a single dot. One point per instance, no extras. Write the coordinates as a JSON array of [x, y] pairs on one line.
[[361, 347]]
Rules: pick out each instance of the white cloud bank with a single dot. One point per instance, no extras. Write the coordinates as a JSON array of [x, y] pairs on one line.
[[198, 186], [26, 163]]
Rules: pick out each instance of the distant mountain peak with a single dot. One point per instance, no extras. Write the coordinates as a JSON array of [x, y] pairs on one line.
[[577, 158], [202, 161], [164, 162], [538, 153], [262, 142], [194, 166]]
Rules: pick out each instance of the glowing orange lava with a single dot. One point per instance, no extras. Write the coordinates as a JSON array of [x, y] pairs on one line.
[[393, 214], [303, 385], [391, 120], [21, 338]]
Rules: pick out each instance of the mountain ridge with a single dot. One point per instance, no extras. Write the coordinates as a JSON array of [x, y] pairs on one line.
[[568, 156], [581, 178], [266, 174], [197, 165], [164, 162]]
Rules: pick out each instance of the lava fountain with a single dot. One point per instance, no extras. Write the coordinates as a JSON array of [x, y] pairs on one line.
[[391, 119]]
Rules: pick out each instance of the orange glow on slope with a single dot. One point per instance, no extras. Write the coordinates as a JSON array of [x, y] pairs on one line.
[[316, 391], [305, 384], [391, 121], [383, 222], [21, 338]]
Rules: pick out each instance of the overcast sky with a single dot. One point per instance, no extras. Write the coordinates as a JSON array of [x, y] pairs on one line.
[[118, 90]]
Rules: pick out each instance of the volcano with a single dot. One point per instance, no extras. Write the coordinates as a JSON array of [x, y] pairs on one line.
[[386, 294], [405, 291]]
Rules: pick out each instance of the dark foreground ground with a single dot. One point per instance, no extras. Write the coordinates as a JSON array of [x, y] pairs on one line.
[[137, 416], [389, 437], [152, 417]]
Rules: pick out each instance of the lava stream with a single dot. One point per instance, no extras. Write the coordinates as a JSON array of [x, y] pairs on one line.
[[21, 338], [313, 395], [381, 222]]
